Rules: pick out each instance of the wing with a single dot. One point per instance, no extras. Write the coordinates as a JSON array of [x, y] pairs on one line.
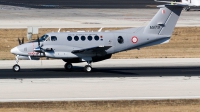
[[92, 49]]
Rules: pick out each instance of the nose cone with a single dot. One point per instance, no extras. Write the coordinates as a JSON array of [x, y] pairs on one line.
[[15, 50]]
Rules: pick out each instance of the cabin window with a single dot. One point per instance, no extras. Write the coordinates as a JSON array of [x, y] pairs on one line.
[[53, 38], [69, 38], [89, 38], [76, 38], [96, 38], [120, 40], [83, 38]]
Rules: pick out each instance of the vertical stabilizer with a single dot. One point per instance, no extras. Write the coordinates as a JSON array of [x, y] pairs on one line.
[[164, 21]]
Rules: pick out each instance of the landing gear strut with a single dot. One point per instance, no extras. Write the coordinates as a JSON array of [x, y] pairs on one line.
[[88, 68], [187, 9], [68, 66], [16, 67]]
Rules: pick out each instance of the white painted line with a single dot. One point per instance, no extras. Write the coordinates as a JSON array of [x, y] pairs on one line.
[[101, 99]]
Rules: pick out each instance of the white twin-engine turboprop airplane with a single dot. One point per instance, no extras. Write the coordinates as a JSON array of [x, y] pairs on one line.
[[189, 3], [75, 47]]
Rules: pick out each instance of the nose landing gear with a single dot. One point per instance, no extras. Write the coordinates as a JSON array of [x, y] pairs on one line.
[[16, 67]]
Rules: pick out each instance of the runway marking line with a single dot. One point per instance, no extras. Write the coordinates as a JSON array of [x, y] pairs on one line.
[[100, 99]]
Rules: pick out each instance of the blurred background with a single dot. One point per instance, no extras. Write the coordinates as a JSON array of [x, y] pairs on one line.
[[82, 3]]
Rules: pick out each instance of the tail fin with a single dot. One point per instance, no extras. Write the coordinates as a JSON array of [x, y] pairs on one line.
[[164, 21]]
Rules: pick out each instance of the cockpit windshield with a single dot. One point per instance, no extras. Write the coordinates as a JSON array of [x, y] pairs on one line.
[[43, 38]]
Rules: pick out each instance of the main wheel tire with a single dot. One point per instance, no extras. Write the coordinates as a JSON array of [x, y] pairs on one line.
[[68, 66], [16, 68], [87, 68]]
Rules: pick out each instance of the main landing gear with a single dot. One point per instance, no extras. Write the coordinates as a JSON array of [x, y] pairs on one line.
[[16, 67], [187, 8], [68, 66], [88, 68]]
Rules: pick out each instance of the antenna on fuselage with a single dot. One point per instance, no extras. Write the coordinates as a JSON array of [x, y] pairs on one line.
[[59, 29], [100, 29]]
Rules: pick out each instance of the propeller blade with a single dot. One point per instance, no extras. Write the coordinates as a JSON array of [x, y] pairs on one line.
[[19, 41], [38, 42], [41, 50], [22, 40]]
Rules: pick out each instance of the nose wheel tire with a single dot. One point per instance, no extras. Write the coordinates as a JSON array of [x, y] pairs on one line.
[[87, 68], [68, 66], [16, 68]]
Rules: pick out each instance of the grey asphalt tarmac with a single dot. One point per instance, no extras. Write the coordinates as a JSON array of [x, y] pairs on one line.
[[107, 68], [114, 79], [102, 72]]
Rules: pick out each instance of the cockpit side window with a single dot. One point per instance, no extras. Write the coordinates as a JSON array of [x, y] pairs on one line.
[[43, 38], [53, 38], [48, 38]]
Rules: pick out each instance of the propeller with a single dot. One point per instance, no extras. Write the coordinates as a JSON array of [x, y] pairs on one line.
[[38, 41], [21, 41], [39, 48]]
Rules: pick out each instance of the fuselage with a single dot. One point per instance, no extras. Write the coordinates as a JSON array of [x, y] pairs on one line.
[[61, 44]]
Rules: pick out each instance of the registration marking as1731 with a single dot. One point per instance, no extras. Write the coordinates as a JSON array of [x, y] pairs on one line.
[[33, 53]]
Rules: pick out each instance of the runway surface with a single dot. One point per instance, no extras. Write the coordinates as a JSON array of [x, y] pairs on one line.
[[133, 79], [107, 68], [12, 17]]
